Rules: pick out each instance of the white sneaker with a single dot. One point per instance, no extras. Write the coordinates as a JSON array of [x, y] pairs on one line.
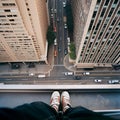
[[55, 100], [65, 100]]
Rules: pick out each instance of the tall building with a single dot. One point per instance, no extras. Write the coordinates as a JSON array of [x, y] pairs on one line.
[[96, 32], [23, 27]]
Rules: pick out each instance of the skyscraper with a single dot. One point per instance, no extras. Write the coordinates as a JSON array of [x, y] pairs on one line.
[[23, 27], [96, 32]]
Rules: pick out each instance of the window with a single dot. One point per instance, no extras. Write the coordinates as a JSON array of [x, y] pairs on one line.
[[94, 14], [111, 11], [14, 15], [98, 2], [9, 15], [96, 43], [106, 35], [107, 2], [103, 12], [11, 4], [2, 16], [112, 35], [85, 42], [116, 1], [118, 12], [98, 25], [7, 10], [11, 20], [116, 28], [102, 43], [113, 22], [91, 25], [5, 4]]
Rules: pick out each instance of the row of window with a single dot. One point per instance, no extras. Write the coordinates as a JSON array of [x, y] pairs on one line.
[[8, 10], [106, 2], [8, 4]]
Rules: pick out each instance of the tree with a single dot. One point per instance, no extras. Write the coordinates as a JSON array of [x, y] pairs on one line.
[[50, 36], [72, 51], [72, 55], [72, 47]]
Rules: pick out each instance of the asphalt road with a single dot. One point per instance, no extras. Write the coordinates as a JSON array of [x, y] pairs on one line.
[[55, 79], [61, 38]]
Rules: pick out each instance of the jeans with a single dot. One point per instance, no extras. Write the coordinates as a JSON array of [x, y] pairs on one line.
[[42, 111]]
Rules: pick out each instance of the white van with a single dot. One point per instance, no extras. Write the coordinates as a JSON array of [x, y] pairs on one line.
[[41, 76], [86, 73], [55, 41], [68, 73]]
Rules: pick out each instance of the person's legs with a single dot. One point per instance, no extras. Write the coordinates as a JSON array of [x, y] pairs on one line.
[[78, 113], [37, 111], [33, 111]]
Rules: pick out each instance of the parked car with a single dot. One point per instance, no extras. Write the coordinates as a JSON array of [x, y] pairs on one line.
[[65, 25], [59, 49], [86, 73], [98, 80], [113, 81], [55, 41], [64, 4], [68, 40], [65, 51], [31, 74], [77, 77], [31, 65], [15, 66], [55, 53], [41, 76], [68, 73], [58, 20]]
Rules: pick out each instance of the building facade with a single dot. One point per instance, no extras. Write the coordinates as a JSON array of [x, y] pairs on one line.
[[96, 32], [23, 27]]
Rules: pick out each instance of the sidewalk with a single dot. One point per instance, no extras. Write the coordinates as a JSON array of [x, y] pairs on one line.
[[5, 69], [68, 65], [71, 67]]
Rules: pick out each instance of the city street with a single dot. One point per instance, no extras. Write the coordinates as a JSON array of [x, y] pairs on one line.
[[61, 46], [57, 70]]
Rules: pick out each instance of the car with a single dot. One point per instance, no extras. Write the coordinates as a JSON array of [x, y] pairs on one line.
[[41, 76], [55, 53], [31, 65], [55, 29], [55, 10], [15, 66], [51, 15], [77, 77], [58, 20], [59, 49], [64, 4], [98, 80], [65, 51], [65, 25], [86, 73], [31, 74], [113, 81], [68, 40], [55, 42], [68, 73]]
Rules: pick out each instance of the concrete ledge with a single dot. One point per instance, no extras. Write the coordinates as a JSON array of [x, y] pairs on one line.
[[58, 87]]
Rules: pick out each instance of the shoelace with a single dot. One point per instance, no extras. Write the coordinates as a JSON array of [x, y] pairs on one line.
[[55, 101]]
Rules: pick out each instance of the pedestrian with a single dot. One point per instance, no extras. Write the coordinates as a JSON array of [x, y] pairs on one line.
[[43, 111]]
